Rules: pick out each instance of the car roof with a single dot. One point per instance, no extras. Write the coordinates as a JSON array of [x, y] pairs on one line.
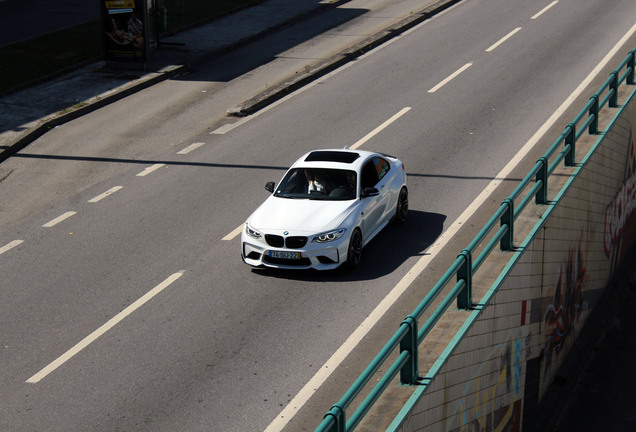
[[334, 158]]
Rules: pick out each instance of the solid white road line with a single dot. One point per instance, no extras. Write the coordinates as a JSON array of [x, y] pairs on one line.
[[545, 9], [105, 194], [10, 246], [503, 39], [352, 341], [59, 219], [377, 130], [103, 329], [149, 170], [189, 148], [450, 78]]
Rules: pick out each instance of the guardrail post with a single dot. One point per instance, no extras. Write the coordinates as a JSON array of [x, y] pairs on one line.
[[465, 273], [508, 218], [593, 129], [338, 414], [613, 100], [542, 176], [409, 374], [630, 65], [570, 139]]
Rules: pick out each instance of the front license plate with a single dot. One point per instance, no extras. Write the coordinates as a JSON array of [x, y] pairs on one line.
[[284, 254]]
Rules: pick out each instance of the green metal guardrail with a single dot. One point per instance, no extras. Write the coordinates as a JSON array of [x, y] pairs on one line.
[[408, 337]]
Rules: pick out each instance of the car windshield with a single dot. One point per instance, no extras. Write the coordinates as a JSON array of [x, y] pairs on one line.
[[318, 183]]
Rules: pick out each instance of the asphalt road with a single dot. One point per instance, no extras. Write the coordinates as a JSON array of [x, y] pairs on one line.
[[219, 345]]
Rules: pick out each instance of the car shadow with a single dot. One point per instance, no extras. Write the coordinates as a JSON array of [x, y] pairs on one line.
[[385, 253]]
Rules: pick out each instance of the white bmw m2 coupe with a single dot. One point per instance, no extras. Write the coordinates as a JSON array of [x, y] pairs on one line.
[[327, 207]]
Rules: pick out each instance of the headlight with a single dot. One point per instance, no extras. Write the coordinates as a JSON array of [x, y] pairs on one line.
[[329, 236], [251, 232]]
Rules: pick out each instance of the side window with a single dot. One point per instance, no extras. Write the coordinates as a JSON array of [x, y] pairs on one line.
[[382, 167], [369, 175]]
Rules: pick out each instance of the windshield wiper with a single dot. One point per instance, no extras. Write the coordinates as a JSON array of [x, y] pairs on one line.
[[289, 196]]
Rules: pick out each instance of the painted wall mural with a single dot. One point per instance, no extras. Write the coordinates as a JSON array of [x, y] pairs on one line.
[[620, 214], [568, 302], [491, 399]]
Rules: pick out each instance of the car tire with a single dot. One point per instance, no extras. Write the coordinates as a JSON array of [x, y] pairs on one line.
[[354, 252], [402, 207]]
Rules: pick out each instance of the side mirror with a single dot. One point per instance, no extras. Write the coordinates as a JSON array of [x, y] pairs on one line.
[[369, 192], [269, 186]]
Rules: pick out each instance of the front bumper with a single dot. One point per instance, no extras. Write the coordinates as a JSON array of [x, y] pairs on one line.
[[319, 256]]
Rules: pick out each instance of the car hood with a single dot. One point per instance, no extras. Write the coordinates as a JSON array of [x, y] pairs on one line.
[[300, 215]]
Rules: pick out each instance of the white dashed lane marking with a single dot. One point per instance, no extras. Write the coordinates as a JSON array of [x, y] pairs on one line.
[[544, 10], [149, 170], [59, 219], [103, 329], [10, 246], [503, 39], [190, 148], [105, 194], [233, 234], [383, 126], [450, 77]]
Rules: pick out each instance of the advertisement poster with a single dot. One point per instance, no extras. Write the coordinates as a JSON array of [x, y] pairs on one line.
[[125, 30]]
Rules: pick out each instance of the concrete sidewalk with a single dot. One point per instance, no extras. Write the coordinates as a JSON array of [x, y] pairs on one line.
[[29, 113]]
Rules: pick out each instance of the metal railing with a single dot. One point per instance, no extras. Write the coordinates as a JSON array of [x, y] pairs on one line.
[[408, 337]]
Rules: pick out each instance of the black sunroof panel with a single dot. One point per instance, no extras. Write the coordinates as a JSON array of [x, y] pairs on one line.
[[332, 156]]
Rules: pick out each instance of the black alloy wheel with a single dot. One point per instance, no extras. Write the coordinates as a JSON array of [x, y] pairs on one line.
[[354, 254], [402, 210]]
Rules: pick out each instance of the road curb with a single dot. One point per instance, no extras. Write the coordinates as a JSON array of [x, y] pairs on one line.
[[53, 120], [279, 91], [47, 123], [253, 104]]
